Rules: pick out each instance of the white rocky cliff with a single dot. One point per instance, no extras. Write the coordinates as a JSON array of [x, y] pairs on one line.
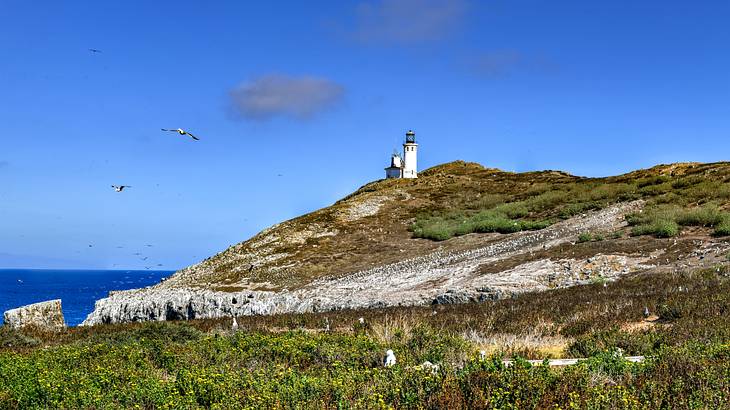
[[44, 315]]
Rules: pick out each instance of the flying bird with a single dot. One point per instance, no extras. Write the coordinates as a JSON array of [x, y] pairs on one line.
[[120, 188], [182, 132], [93, 50]]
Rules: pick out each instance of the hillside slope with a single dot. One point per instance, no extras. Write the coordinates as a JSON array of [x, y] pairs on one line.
[[460, 232]]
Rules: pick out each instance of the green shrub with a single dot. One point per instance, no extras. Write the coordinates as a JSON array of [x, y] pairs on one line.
[[495, 223], [578, 208], [612, 191], [597, 342], [723, 228], [547, 200], [534, 225], [702, 216], [661, 228], [486, 221], [15, 338], [655, 190], [512, 210], [488, 201], [584, 237], [686, 182], [652, 181], [669, 311]]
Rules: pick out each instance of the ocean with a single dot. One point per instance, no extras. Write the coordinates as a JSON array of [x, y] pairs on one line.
[[77, 289]]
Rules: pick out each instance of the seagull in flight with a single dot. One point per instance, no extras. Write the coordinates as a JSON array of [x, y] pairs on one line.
[[94, 50], [182, 132], [120, 188]]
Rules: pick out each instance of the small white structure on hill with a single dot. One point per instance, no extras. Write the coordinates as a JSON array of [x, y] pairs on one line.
[[406, 166]]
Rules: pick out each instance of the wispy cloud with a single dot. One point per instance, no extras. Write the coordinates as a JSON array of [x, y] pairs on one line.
[[276, 95], [498, 63], [407, 21], [504, 63]]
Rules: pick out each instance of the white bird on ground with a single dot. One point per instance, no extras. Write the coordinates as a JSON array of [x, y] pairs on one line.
[[482, 355], [361, 320], [326, 324], [234, 327], [646, 311], [389, 358], [429, 367], [120, 188], [182, 132]]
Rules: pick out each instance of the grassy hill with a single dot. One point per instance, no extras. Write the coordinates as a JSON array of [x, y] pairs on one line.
[[388, 220]]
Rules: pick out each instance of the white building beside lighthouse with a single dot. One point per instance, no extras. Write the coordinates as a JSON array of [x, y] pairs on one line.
[[407, 165]]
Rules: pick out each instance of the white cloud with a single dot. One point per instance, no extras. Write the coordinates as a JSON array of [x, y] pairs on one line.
[[407, 21], [275, 95]]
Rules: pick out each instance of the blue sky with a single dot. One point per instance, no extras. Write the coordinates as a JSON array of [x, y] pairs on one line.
[[299, 103]]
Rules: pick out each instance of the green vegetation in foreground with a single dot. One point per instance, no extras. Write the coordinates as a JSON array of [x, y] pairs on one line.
[[700, 196], [198, 364]]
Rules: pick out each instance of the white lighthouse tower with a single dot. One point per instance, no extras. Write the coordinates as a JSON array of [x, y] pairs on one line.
[[410, 156]]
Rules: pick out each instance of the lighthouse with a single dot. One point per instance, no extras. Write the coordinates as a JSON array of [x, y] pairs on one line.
[[405, 166], [410, 159]]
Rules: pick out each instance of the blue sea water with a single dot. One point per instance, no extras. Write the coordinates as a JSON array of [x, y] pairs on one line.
[[77, 289]]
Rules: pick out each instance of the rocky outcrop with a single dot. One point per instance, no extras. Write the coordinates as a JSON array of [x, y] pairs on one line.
[[45, 315], [440, 277]]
